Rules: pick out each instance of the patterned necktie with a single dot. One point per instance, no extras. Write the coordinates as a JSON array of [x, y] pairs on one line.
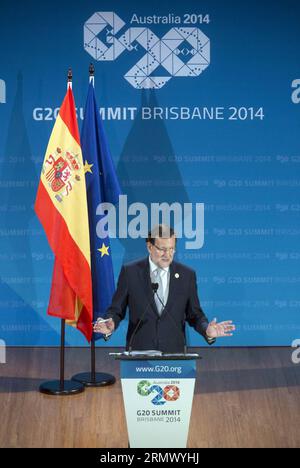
[[159, 292]]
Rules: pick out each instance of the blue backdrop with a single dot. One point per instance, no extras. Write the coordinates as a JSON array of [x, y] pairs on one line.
[[223, 130]]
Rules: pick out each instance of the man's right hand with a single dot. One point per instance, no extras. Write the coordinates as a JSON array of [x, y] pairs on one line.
[[105, 327]]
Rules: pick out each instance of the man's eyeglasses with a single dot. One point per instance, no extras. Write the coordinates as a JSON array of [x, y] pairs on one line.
[[165, 250]]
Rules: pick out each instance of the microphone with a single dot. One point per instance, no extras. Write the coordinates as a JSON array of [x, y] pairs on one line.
[[154, 287], [176, 326]]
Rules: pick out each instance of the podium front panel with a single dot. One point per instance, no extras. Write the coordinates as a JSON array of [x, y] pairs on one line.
[[158, 398]]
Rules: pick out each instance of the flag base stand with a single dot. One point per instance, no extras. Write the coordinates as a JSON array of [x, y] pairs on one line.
[[93, 378], [62, 386], [99, 379], [66, 387]]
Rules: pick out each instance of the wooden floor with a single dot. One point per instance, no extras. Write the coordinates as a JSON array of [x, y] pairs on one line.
[[244, 397]]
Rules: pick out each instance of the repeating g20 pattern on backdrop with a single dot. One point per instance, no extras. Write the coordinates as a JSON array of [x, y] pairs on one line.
[[200, 104]]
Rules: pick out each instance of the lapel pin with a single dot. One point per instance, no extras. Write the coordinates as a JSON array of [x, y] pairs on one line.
[[176, 275]]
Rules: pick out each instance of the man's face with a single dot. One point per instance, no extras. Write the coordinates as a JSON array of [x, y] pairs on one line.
[[162, 252]]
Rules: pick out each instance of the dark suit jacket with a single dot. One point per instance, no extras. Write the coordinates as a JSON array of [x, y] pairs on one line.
[[166, 332]]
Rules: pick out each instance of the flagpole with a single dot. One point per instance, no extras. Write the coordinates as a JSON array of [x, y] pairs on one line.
[[93, 378], [62, 353], [62, 386], [93, 360]]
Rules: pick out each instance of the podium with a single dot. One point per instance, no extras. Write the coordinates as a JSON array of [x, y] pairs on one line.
[[158, 392]]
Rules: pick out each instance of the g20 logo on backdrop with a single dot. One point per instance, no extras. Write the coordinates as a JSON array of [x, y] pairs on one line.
[[2, 92], [161, 394], [181, 51]]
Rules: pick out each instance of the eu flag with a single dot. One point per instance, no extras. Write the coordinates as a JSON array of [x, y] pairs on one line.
[[102, 187]]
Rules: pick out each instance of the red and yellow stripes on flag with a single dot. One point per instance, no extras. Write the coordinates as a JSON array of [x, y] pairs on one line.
[[61, 205]]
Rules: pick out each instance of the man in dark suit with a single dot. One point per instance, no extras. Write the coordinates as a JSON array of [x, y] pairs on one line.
[[161, 296]]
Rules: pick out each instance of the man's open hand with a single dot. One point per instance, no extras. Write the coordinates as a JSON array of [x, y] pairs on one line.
[[217, 330]]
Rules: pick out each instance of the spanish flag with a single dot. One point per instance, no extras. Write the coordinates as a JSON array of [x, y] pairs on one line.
[[61, 206]]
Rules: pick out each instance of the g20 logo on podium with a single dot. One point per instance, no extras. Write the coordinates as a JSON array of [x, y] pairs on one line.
[[162, 394], [182, 51]]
